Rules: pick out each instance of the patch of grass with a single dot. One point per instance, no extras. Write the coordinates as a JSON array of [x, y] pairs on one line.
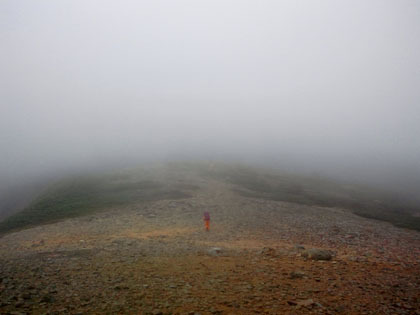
[[400, 219], [317, 191], [86, 195]]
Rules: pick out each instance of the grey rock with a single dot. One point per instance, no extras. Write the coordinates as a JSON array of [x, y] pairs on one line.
[[268, 251], [297, 274], [47, 299], [317, 254], [215, 251], [299, 247]]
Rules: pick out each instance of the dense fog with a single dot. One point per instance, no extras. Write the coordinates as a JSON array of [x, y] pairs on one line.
[[327, 87]]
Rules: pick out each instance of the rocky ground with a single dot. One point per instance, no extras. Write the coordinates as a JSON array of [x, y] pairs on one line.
[[156, 258]]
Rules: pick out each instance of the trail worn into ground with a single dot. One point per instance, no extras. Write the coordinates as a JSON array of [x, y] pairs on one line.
[[156, 258]]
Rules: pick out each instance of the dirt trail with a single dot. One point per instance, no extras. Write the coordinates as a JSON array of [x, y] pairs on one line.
[[156, 258]]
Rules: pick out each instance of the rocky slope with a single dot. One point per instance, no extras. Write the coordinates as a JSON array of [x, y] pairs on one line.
[[155, 257]]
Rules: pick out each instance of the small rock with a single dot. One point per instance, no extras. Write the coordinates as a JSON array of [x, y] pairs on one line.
[[317, 254], [268, 251], [407, 306], [306, 303], [214, 311], [26, 296], [215, 251], [297, 274], [47, 299], [299, 247], [36, 244], [340, 309]]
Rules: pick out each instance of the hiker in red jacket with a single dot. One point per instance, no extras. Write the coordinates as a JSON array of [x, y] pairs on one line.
[[207, 221]]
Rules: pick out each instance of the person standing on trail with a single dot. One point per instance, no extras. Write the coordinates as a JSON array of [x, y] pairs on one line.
[[207, 221]]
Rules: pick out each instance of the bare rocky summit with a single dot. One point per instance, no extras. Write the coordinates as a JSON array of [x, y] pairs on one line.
[[155, 257]]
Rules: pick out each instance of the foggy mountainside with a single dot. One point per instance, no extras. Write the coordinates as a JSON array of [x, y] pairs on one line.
[[134, 242], [91, 193], [210, 157]]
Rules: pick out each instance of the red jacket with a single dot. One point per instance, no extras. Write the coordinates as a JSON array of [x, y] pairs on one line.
[[206, 216]]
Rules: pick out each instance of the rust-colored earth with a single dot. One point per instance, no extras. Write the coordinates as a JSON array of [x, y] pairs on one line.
[[156, 258]]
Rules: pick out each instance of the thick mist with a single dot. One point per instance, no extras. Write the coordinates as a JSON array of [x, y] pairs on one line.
[[307, 86]]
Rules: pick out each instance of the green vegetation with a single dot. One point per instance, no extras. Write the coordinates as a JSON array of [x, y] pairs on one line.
[[318, 191], [89, 194]]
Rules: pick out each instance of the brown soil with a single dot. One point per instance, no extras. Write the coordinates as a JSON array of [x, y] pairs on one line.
[[156, 258]]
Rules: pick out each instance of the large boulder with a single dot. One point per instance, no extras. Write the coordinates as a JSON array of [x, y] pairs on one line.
[[317, 254]]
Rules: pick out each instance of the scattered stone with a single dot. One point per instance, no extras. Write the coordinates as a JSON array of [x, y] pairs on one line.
[[166, 266], [317, 254], [212, 310], [268, 251], [340, 309], [215, 251], [37, 244], [26, 296], [299, 247], [297, 274], [306, 303], [47, 299]]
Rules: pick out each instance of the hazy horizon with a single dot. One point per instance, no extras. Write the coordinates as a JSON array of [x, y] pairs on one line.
[[310, 86]]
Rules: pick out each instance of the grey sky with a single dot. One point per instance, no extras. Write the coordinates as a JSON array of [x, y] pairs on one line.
[[313, 84]]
